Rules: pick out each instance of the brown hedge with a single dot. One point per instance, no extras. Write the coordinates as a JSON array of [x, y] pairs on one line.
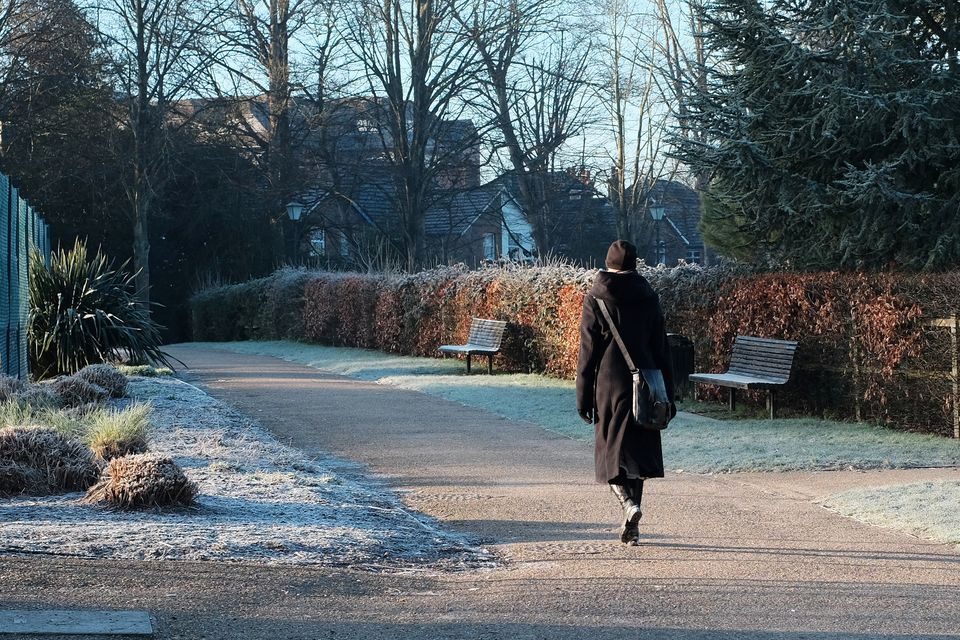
[[865, 352]]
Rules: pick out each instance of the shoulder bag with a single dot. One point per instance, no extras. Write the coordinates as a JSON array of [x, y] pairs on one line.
[[651, 406]]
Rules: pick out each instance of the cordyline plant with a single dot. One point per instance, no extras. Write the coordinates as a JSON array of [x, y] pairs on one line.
[[85, 311]]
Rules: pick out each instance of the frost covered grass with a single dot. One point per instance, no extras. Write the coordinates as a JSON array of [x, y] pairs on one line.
[[925, 509], [692, 443], [258, 500], [112, 433]]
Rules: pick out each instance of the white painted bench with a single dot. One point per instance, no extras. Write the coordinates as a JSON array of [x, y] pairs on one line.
[[484, 339]]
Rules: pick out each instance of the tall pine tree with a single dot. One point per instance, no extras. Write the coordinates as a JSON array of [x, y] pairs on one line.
[[833, 132]]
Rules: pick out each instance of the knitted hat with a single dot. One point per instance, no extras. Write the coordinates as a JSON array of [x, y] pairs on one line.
[[622, 256]]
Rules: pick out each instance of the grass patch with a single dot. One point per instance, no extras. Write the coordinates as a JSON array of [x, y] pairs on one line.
[[112, 433], [19, 413], [925, 509], [693, 443], [144, 370], [108, 432]]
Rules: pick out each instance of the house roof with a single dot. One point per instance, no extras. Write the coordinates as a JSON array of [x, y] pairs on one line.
[[682, 206], [451, 215], [456, 213]]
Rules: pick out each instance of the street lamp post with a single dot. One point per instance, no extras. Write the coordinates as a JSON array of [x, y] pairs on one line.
[[657, 213], [294, 213]]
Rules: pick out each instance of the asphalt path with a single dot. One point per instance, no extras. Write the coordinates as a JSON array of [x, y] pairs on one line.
[[745, 556]]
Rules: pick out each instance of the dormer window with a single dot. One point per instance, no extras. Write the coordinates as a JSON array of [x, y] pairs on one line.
[[365, 126]]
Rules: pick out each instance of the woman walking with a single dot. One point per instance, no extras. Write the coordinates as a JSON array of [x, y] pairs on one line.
[[624, 454]]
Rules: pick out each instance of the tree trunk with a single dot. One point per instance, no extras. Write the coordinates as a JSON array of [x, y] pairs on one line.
[[141, 253]]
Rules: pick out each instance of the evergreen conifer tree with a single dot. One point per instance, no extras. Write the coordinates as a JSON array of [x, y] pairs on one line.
[[833, 132]]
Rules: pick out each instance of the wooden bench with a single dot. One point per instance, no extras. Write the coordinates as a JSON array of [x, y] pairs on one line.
[[484, 339], [756, 363]]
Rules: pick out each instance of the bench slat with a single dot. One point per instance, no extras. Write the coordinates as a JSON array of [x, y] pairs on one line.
[[748, 363], [761, 373], [752, 357], [771, 353], [777, 347], [770, 341]]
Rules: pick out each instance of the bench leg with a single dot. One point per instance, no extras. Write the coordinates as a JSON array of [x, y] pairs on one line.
[[732, 399], [468, 363], [772, 403], [490, 364]]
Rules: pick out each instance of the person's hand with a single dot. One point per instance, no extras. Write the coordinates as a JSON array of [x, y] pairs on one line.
[[586, 414]]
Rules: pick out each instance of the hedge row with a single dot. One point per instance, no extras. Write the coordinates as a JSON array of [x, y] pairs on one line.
[[864, 350]]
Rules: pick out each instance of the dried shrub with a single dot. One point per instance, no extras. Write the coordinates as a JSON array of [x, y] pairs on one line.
[[142, 481], [41, 461], [39, 397], [15, 479], [10, 388], [106, 376], [76, 392]]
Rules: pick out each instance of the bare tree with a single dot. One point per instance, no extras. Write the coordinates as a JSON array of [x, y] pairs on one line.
[[158, 49], [276, 50], [18, 28], [637, 109], [534, 89], [418, 65], [684, 64]]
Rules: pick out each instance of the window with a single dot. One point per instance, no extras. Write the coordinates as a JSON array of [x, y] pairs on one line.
[[318, 241], [365, 126], [344, 245], [693, 255], [662, 253], [489, 246]]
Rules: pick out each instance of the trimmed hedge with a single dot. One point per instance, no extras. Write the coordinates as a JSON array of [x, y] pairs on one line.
[[268, 308], [864, 351]]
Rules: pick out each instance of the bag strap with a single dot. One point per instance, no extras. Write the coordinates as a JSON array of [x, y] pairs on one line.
[[616, 334]]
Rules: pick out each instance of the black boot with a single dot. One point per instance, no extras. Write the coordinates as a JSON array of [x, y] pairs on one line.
[[629, 531]]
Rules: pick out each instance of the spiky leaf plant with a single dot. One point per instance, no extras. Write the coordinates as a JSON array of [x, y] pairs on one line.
[[84, 310]]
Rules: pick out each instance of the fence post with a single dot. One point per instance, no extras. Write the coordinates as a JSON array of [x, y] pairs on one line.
[[954, 371], [952, 323]]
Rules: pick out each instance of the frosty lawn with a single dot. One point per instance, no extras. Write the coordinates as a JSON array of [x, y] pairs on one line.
[[259, 500], [925, 509], [692, 443]]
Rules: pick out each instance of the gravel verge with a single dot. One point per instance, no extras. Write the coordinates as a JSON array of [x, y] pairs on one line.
[[259, 501]]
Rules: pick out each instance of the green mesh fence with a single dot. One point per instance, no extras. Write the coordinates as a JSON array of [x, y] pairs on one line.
[[21, 230]]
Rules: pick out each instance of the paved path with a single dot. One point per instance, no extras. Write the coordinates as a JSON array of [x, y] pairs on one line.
[[745, 556]]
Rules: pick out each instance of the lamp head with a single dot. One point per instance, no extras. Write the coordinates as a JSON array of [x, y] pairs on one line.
[[294, 210]]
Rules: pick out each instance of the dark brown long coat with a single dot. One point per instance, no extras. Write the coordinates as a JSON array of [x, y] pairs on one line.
[[603, 378]]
